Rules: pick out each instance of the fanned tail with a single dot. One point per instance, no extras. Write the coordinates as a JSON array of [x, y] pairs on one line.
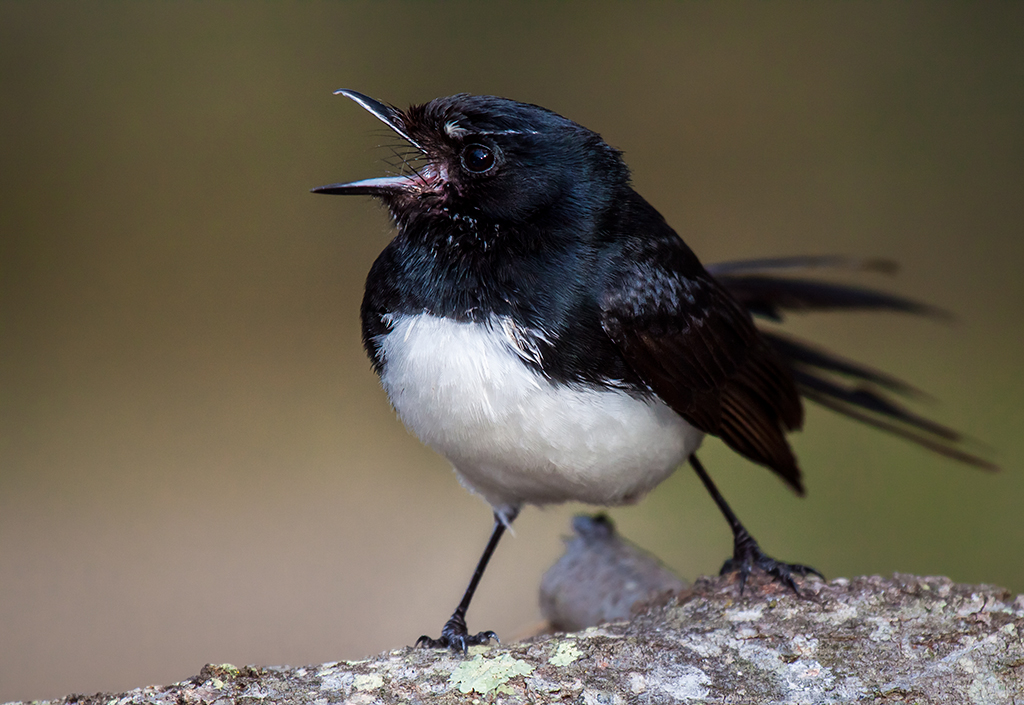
[[766, 294], [849, 388]]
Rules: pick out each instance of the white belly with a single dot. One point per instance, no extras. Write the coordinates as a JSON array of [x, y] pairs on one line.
[[513, 436]]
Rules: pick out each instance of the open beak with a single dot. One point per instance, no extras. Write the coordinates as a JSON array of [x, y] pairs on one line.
[[391, 117]]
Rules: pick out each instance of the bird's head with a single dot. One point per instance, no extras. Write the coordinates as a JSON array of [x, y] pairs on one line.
[[493, 160]]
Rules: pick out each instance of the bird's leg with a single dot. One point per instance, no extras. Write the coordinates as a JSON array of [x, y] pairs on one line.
[[454, 634], [746, 554]]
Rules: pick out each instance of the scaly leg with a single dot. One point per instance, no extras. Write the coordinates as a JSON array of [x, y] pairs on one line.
[[454, 634], [746, 554]]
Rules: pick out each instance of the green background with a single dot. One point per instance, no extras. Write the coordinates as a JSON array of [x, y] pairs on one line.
[[196, 462]]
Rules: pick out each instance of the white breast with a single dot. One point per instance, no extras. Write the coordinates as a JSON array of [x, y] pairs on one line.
[[513, 436]]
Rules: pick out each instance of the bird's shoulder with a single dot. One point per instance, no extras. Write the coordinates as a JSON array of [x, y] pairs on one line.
[[673, 322], [694, 345]]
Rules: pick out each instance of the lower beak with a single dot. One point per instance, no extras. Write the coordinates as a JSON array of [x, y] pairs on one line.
[[383, 186], [367, 187]]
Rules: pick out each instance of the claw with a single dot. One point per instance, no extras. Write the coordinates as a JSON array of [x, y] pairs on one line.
[[456, 642], [747, 555], [455, 637]]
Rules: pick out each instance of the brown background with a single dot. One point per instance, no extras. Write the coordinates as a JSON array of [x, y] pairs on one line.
[[196, 462]]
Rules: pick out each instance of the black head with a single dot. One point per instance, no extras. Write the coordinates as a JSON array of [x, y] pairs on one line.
[[492, 160]]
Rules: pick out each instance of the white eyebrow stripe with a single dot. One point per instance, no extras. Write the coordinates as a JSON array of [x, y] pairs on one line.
[[453, 129], [507, 132]]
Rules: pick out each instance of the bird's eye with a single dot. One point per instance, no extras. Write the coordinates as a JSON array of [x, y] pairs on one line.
[[477, 158]]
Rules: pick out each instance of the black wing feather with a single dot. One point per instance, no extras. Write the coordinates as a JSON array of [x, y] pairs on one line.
[[697, 348]]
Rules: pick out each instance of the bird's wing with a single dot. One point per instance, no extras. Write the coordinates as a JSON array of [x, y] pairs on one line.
[[697, 348]]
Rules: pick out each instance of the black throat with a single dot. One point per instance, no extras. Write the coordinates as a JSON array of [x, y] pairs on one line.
[[542, 275]]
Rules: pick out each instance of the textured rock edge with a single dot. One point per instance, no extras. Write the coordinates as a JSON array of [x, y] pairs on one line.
[[904, 639]]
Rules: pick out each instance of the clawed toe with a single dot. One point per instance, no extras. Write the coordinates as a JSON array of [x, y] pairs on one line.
[[455, 637], [747, 555]]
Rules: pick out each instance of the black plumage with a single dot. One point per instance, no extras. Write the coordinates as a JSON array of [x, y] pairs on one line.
[[521, 227]]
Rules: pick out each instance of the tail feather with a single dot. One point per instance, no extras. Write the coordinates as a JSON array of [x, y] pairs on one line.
[[870, 401], [947, 449], [849, 388], [774, 264], [769, 296], [800, 353]]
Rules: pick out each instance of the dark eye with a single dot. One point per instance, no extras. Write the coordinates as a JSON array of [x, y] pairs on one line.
[[477, 158]]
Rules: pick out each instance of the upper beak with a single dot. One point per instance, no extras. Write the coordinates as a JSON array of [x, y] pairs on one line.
[[391, 117]]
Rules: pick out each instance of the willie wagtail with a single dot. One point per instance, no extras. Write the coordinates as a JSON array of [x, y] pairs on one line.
[[540, 325]]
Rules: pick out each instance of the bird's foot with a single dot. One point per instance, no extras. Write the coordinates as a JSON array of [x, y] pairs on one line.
[[747, 555], [456, 637]]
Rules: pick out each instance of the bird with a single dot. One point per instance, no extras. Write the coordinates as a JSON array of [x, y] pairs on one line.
[[540, 325]]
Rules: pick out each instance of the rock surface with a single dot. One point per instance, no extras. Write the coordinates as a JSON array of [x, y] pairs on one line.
[[874, 640], [601, 578]]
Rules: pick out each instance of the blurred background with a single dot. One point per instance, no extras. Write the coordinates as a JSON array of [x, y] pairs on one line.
[[196, 461]]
